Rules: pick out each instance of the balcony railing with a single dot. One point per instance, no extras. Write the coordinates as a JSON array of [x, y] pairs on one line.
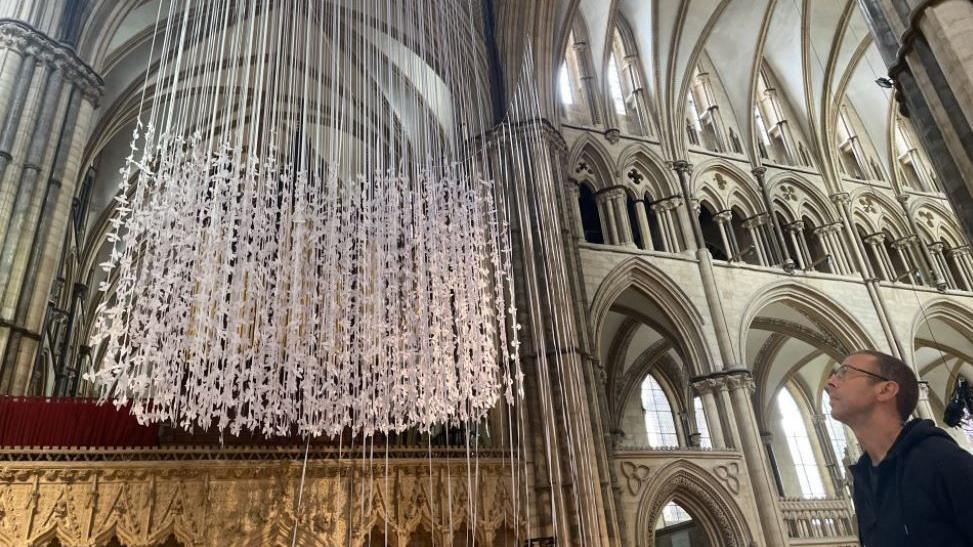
[[820, 521]]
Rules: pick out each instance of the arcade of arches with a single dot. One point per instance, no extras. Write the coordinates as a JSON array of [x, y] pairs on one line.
[[742, 206]]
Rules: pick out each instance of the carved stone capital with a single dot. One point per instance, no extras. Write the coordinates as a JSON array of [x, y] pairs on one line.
[[613, 135], [923, 390], [21, 37], [759, 171], [682, 166], [706, 385], [959, 251], [614, 192], [841, 198], [824, 230], [796, 226], [875, 239], [741, 381], [904, 242], [667, 204]]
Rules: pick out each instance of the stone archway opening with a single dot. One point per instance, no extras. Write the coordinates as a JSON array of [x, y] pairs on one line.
[[677, 527], [794, 338], [377, 537], [699, 496], [943, 357]]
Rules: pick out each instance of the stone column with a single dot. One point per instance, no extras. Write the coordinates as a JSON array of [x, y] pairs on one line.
[[906, 260], [938, 279], [777, 234], [831, 460], [923, 408], [960, 256], [589, 87], [619, 200], [631, 66], [937, 250], [754, 228], [565, 403], [574, 202], [707, 388], [665, 210], [826, 239], [694, 235], [606, 208], [741, 389], [722, 220], [843, 201], [877, 243], [795, 232], [643, 220], [926, 47], [47, 96]]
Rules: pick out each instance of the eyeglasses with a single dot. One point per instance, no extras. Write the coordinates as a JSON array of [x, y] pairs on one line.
[[842, 371]]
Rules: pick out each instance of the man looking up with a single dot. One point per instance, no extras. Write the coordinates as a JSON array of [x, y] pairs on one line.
[[913, 484]]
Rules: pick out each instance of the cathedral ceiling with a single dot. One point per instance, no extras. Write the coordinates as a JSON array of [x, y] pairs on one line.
[[819, 51]]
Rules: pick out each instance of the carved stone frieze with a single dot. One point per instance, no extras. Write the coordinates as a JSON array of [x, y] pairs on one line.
[[230, 502]]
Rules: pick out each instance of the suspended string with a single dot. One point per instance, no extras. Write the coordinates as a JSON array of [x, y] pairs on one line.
[[299, 258], [233, 340]]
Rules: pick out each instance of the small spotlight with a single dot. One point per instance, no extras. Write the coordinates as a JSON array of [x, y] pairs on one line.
[[887, 83]]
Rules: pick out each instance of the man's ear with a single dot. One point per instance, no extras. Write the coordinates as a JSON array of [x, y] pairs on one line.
[[888, 391]]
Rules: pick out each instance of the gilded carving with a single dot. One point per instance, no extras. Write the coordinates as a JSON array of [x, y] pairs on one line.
[[234, 502]]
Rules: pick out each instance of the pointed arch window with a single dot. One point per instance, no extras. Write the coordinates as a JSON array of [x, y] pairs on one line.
[[673, 514], [916, 170], [615, 87], [565, 91], [660, 426], [701, 427], [799, 445], [836, 432]]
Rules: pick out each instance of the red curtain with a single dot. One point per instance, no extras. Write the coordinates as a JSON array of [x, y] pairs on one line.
[[67, 422]]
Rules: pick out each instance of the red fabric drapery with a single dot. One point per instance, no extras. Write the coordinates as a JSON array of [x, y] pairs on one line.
[[43, 421]]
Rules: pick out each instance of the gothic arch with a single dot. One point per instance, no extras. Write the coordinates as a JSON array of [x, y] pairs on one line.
[[739, 190], [826, 313], [598, 168], [657, 362], [660, 181], [635, 273], [945, 310], [814, 203], [878, 212], [937, 221], [700, 493]]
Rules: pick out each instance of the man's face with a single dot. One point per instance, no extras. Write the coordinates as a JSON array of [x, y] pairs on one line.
[[854, 388]]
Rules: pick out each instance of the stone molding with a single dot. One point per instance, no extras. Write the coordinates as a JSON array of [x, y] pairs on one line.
[[22, 37]]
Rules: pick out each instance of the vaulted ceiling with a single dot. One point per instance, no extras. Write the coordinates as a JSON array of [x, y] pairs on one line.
[[820, 51]]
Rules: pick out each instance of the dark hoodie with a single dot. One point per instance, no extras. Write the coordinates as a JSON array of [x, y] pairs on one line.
[[921, 494]]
